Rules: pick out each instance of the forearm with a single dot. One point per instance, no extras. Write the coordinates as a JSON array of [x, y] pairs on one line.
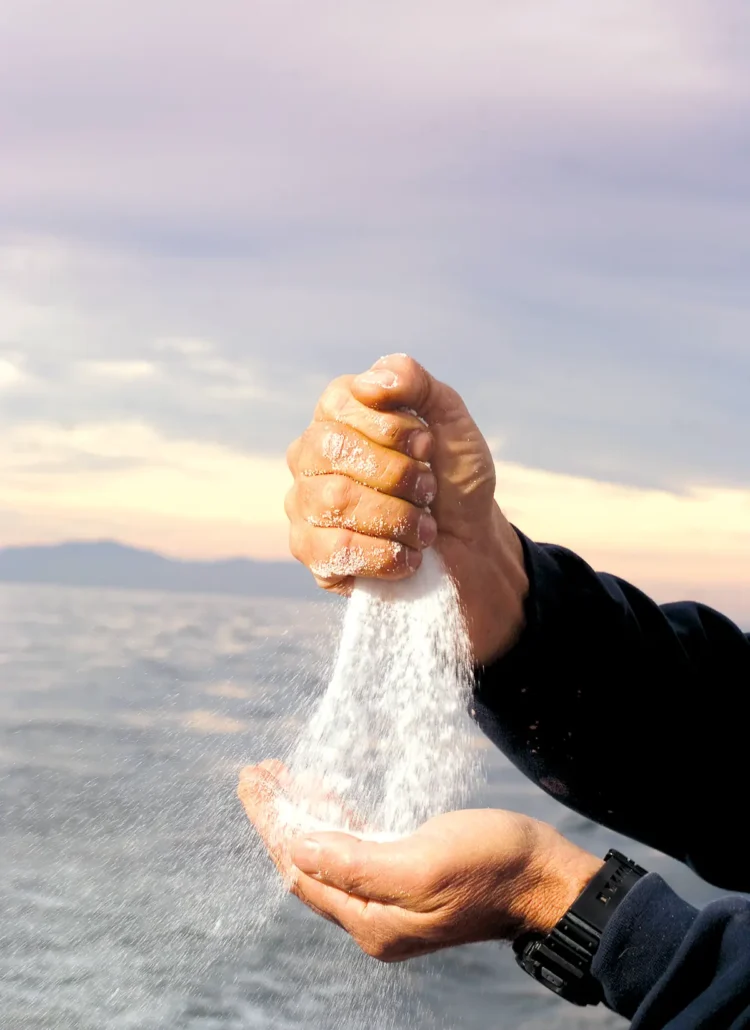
[[626, 711]]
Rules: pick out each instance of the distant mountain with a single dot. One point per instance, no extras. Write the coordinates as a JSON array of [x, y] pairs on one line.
[[109, 564]]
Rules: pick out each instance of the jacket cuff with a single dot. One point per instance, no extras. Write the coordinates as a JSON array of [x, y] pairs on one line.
[[523, 659], [640, 942]]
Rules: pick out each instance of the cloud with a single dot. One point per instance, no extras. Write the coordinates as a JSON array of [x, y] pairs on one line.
[[126, 480], [10, 374], [204, 500], [204, 220], [120, 371], [186, 347]]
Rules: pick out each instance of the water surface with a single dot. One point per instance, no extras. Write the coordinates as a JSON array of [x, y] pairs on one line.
[[130, 881]]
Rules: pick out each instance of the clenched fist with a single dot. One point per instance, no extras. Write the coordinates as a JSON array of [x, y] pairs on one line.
[[393, 463]]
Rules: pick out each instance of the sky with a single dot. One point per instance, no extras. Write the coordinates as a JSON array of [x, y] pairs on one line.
[[209, 210]]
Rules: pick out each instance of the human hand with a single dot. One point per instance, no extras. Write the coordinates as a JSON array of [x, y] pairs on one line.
[[366, 471], [462, 877]]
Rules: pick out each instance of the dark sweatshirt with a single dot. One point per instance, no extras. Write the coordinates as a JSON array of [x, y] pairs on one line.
[[634, 715]]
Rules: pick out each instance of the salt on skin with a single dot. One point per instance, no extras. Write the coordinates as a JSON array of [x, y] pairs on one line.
[[347, 456], [354, 561]]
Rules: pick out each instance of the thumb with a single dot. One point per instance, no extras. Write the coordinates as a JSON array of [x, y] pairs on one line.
[[379, 872], [398, 381]]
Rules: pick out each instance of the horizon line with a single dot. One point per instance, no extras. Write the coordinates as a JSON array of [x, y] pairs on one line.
[[93, 541]]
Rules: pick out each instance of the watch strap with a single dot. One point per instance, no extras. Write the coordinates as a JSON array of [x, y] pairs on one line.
[[561, 959]]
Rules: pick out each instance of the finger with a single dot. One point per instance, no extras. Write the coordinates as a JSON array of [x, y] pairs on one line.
[[296, 796], [259, 792], [310, 901], [398, 430], [335, 555], [307, 804], [382, 872], [398, 381], [337, 502], [277, 769], [387, 932], [345, 909], [329, 447]]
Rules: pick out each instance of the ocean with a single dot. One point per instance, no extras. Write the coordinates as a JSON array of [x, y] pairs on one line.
[[130, 880]]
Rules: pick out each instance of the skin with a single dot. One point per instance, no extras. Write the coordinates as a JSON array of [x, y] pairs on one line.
[[373, 486], [362, 487], [467, 876]]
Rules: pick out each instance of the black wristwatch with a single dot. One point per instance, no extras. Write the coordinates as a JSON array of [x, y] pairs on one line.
[[561, 959]]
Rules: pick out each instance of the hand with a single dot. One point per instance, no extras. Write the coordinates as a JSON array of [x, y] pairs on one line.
[[462, 877], [374, 485]]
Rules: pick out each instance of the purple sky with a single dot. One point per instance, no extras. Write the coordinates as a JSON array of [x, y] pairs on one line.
[[207, 210]]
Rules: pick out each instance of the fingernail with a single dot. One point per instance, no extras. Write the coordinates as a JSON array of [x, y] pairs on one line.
[[306, 855], [420, 445], [428, 529], [413, 558], [382, 377], [426, 487]]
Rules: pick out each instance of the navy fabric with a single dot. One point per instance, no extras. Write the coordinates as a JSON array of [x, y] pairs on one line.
[[631, 713], [669, 967]]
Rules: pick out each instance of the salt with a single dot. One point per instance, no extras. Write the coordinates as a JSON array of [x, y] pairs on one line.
[[390, 739], [388, 745]]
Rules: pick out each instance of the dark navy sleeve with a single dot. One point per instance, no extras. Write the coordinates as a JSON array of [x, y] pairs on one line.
[[631, 713], [667, 966]]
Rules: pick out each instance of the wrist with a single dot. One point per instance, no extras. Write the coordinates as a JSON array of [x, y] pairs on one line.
[[495, 594], [558, 876]]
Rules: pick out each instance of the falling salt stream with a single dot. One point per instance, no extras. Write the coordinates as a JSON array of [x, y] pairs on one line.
[[390, 738]]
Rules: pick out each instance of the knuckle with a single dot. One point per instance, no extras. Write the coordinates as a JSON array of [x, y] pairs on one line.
[[335, 494], [296, 545], [292, 454], [341, 541], [382, 948], [393, 431], [312, 459], [411, 366], [338, 398], [309, 436], [396, 471], [339, 385], [290, 502], [334, 399]]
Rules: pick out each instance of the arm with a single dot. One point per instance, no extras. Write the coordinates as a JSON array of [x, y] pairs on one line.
[[665, 965], [621, 709], [492, 875], [627, 712]]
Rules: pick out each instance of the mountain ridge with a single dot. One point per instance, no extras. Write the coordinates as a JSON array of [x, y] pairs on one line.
[[112, 564]]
